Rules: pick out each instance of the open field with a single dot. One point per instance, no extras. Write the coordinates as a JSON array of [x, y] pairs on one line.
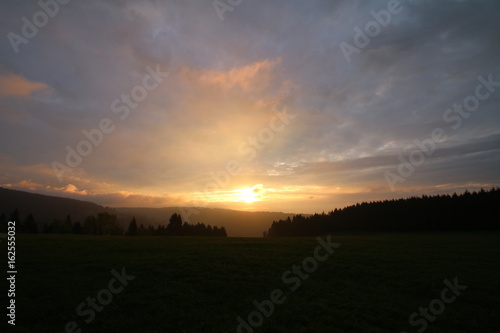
[[371, 283]]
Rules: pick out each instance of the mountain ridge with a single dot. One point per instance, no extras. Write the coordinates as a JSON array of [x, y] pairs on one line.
[[45, 208]]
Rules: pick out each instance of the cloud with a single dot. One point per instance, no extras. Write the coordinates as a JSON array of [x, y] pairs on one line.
[[250, 77], [118, 198], [70, 188], [16, 85], [227, 81], [25, 184]]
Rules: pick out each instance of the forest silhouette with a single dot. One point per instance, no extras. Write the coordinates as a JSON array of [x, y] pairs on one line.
[[105, 223], [467, 211]]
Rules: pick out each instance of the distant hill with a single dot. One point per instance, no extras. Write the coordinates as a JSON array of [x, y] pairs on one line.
[[237, 223], [47, 208]]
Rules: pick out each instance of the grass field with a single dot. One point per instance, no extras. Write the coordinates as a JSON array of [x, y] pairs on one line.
[[371, 283]]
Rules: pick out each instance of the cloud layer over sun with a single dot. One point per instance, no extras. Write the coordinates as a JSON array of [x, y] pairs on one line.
[[260, 111]]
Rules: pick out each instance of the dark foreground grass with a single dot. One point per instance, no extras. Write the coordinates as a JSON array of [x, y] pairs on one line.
[[371, 283]]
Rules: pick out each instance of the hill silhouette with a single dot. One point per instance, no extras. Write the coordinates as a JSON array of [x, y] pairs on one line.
[[237, 223], [45, 209]]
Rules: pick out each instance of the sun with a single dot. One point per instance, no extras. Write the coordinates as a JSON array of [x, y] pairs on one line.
[[249, 195], [246, 195], [242, 195]]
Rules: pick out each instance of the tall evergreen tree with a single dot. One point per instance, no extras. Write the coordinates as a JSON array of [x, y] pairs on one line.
[[174, 227], [77, 228], [90, 225], [3, 223], [30, 226], [14, 217], [67, 227], [142, 230], [132, 228]]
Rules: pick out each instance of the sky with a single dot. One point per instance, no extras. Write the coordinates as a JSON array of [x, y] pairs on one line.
[[288, 105]]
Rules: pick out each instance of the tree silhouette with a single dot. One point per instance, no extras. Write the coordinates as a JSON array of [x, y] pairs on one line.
[[29, 225], [3, 223], [67, 227], [14, 216], [107, 224], [77, 228], [142, 230], [174, 227], [132, 228], [90, 225], [46, 229], [177, 228]]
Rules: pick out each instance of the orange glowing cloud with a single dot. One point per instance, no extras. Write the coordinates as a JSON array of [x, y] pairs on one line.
[[250, 77], [16, 85], [25, 184], [70, 188]]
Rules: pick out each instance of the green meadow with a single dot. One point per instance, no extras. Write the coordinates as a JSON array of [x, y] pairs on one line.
[[370, 283]]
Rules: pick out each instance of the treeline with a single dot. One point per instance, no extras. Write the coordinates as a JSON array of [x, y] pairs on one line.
[[107, 224], [467, 211], [176, 227], [26, 226], [101, 224]]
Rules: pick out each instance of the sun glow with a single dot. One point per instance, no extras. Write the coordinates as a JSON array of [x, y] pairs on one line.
[[249, 195], [238, 195]]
